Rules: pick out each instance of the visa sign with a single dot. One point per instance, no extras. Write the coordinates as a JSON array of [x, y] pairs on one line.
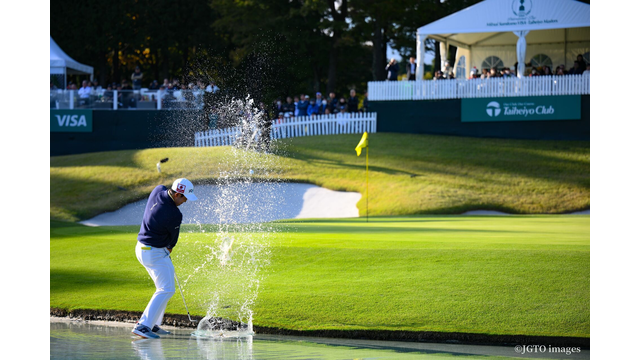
[[71, 120], [521, 108]]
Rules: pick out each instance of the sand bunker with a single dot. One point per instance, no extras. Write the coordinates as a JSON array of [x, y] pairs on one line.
[[259, 202]]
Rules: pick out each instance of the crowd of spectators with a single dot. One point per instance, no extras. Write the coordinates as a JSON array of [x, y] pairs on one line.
[[304, 105], [579, 67]]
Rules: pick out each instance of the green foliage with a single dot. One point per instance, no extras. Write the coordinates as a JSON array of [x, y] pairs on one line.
[[269, 48], [519, 275]]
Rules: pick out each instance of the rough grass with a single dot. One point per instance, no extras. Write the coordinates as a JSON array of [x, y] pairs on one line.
[[409, 174], [519, 275]]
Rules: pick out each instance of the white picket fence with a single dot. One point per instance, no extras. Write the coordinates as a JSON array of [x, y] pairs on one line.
[[479, 88], [349, 123]]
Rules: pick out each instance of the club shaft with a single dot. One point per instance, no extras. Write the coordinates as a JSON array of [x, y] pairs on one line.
[[181, 294]]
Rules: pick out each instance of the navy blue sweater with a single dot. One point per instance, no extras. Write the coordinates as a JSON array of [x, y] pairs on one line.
[[162, 218]]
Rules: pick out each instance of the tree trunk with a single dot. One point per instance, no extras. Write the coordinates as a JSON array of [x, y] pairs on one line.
[[102, 61], [116, 64], [165, 63], [155, 66], [379, 53], [333, 61]]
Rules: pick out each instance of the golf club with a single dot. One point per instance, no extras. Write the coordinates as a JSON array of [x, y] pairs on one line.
[[183, 301]]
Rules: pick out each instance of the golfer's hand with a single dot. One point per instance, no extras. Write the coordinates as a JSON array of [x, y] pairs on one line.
[[169, 250]]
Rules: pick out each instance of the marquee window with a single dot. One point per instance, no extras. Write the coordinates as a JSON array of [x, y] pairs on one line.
[[461, 67], [541, 60], [492, 61]]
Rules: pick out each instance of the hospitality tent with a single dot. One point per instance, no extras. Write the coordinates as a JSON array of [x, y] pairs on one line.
[[63, 64], [502, 32]]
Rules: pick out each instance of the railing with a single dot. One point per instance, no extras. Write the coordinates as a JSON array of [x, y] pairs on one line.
[[479, 88], [348, 123], [127, 99]]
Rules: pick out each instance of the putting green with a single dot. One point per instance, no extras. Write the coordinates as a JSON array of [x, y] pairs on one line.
[[524, 275]]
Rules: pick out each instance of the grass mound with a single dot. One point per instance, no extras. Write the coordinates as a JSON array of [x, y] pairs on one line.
[[409, 174]]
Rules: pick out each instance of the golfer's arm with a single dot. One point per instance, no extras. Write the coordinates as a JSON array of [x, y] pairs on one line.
[[175, 233]]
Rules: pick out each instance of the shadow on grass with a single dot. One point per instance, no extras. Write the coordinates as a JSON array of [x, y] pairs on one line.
[[515, 157], [62, 280]]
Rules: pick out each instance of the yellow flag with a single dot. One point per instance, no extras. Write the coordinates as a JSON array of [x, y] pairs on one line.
[[364, 142]]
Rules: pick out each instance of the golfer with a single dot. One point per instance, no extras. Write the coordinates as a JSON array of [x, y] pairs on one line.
[[157, 238]]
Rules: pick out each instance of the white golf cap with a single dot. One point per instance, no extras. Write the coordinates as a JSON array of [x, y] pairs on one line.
[[184, 187]]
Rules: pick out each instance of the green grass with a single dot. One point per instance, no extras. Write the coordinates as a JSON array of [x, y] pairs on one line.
[[409, 174], [524, 275]]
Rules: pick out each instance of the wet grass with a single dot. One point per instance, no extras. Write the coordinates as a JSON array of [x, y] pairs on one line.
[[409, 174], [519, 275]]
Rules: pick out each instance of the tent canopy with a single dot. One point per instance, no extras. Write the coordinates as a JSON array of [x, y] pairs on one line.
[[62, 64], [558, 29]]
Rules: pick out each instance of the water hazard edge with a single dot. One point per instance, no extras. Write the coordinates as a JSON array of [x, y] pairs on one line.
[[182, 321]]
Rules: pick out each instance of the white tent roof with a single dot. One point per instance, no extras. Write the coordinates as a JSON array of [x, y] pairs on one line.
[[492, 22], [62, 63], [511, 31]]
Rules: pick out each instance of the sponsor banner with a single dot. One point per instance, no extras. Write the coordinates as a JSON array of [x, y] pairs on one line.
[[521, 108], [71, 120]]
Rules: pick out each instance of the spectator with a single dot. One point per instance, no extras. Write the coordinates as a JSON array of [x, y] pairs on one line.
[[485, 73], [534, 72], [507, 73], [289, 107], [473, 73], [546, 70], [587, 71], [85, 90], [342, 105], [438, 75], [447, 73], [303, 104], [494, 72], [318, 98], [581, 63], [154, 85], [365, 102], [327, 111], [212, 88], [559, 71], [342, 117], [108, 94], [332, 102], [312, 109], [296, 101], [96, 87], [575, 70], [136, 78], [323, 107], [125, 85], [166, 84], [392, 70], [353, 101], [277, 107], [411, 69]]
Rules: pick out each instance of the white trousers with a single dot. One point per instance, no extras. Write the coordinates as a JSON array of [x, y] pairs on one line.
[[160, 268]]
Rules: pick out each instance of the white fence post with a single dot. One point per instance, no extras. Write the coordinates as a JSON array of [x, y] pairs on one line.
[[543, 85], [356, 123]]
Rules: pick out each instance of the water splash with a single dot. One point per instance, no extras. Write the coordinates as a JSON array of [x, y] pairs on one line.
[[235, 255]]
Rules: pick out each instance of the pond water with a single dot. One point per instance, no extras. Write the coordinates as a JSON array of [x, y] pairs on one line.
[[109, 340]]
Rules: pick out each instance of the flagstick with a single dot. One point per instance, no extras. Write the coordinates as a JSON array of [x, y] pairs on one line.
[[367, 171]]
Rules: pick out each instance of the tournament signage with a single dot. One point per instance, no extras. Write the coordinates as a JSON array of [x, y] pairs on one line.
[[521, 14], [71, 120], [521, 108]]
